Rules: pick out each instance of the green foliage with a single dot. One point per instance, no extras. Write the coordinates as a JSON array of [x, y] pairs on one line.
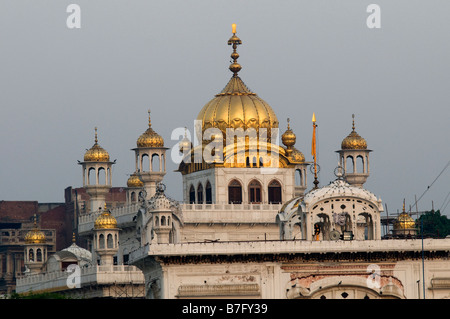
[[434, 225]]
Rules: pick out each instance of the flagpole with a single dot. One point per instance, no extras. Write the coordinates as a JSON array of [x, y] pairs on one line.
[[313, 152]]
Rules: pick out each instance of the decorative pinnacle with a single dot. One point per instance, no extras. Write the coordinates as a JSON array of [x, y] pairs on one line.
[[235, 41], [96, 140], [288, 120], [353, 125], [149, 121]]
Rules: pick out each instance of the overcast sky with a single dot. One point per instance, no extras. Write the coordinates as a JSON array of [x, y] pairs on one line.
[[57, 84]]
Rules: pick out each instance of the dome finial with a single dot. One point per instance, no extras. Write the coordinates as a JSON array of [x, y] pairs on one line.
[[235, 41], [96, 139], [353, 122], [149, 120], [289, 127]]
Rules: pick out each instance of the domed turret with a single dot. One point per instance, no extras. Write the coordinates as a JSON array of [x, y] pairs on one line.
[[35, 236], [353, 141], [96, 153], [105, 220], [354, 149], [404, 225], [150, 138], [134, 181]]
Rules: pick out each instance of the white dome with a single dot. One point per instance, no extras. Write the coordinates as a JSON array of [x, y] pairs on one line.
[[339, 188], [81, 253]]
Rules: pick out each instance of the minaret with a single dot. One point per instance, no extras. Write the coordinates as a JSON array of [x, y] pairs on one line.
[[150, 159], [35, 252], [353, 151], [106, 237], [96, 164]]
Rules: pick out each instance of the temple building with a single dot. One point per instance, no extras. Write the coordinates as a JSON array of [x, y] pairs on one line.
[[249, 225]]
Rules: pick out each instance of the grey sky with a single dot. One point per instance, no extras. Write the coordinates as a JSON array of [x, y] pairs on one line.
[[301, 57]]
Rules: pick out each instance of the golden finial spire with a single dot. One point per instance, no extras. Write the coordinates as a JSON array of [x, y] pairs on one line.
[[403, 205], [96, 139], [235, 41], [353, 124], [288, 120], [149, 120], [73, 238]]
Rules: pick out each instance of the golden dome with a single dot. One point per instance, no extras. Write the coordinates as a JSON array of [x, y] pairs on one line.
[[404, 221], [288, 138], [236, 106], [353, 141], [35, 236], [297, 156], [96, 153], [105, 220], [150, 138], [135, 181]]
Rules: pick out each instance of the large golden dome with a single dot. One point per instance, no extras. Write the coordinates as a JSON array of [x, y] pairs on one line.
[[236, 106], [353, 141], [105, 220], [150, 138], [96, 153]]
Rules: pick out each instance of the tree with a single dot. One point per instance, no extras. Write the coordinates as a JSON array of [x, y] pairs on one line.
[[434, 224]]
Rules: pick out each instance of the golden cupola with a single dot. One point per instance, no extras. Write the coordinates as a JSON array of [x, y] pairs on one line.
[[150, 138], [404, 221], [236, 106], [135, 181], [96, 153], [105, 220], [35, 235], [353, 141]]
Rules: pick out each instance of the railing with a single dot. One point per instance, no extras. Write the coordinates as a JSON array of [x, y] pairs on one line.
[[90, 275]]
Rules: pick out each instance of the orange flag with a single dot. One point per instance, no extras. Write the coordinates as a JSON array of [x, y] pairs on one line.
[[313, 148]]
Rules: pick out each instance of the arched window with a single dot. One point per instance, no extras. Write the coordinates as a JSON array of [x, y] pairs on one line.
[[145, 163], [101, 241], [31, 255], [360, 165], [349, 167], [155, 163], [163, 220], [191, 195], [208, 193], [254, 192], [200, 194], [101, 176], [91, 176], [39, 255], [156, 221], [109, 241], [274, 192], [234, 192], [298, 177]]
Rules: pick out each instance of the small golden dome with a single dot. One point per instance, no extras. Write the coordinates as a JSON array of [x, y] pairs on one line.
[[105, 220], [150, 138], [134, 181], [96, 153], [288, 138], [35, 235], [404, 221], [353, 141]]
